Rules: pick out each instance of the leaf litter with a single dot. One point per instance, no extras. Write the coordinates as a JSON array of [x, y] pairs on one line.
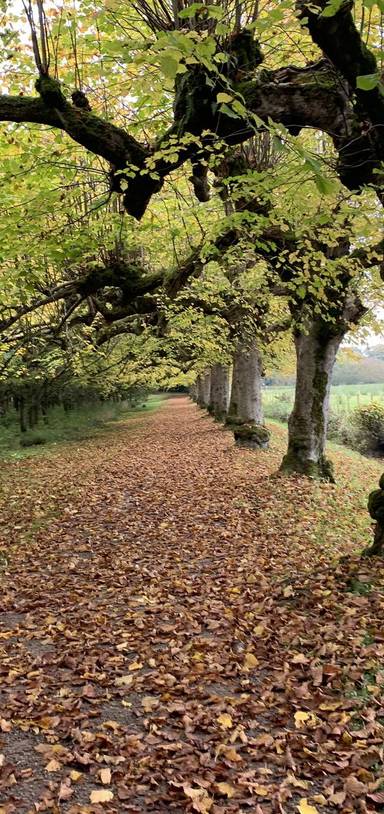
[[182, 630]]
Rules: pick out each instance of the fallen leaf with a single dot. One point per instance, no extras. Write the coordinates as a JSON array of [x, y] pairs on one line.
[[305, 808], [101, 796], [226, 789], [250, 660], [202, 802], [136, 665], [123, 681], [225, 721], [53, 766], [105, 776]]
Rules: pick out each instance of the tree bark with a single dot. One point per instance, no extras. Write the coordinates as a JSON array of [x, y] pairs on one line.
[[245, 412], [307, 426], [206, 389], [203, 384], [22, 414], [220, 391], [376, 510], [193, 392], [310, 96]]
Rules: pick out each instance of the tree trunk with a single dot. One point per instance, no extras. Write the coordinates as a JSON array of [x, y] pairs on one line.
[[307, 426], [22, 414], [220, 391], [376, 510], [203, 389], [245, 412]]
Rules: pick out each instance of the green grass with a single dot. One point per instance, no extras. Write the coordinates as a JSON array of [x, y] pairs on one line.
[[62, 427], [344, 397]]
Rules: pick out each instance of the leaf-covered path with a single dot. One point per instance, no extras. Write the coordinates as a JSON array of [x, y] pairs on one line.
[[176, 633]]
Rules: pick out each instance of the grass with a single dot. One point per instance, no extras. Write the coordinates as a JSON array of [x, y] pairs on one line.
[[344, 397], [62, 427]]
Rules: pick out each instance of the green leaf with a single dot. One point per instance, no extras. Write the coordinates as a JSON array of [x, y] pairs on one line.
[[200, 8], [326, 186], [332, 7], [228, 112], [224, 97], [368, 81], [169, 65], [194, 8]]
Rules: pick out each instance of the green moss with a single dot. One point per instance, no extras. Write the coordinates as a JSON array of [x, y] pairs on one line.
[[255, 436], [232, 421], [376, 505], [245, 51], [50, 92], [321, 470]]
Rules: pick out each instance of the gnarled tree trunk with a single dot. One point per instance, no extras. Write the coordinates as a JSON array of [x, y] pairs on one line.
[[245, 414], [307, 426], [220, 391]]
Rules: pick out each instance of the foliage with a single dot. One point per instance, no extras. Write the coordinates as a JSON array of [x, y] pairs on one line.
[[369, 424], [163, 610]]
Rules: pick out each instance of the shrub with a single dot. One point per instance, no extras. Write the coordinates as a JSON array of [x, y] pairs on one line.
[[341, 429], [32, 439], [368, 423]]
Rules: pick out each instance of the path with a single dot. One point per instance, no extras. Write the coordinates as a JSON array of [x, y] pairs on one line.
[[175, 639]]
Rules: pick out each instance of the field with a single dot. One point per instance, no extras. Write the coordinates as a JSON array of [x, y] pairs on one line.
[[344, 397]]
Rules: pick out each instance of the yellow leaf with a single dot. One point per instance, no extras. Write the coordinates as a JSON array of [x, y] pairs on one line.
[[75, 776], [105, 776], [53, 766], [299, 784], [250, 660], [330, 705], [259, 630], [300, 658], [123, 681], [136, 665], [288, 591], [300, 718], [201, 800], [261, 791], [149, 703], [227, 789], [101, 796], [225, 721], [305, 808], [305, 719], [229, 752]]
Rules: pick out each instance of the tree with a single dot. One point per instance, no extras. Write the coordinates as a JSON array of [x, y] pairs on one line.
[[211, 54]]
